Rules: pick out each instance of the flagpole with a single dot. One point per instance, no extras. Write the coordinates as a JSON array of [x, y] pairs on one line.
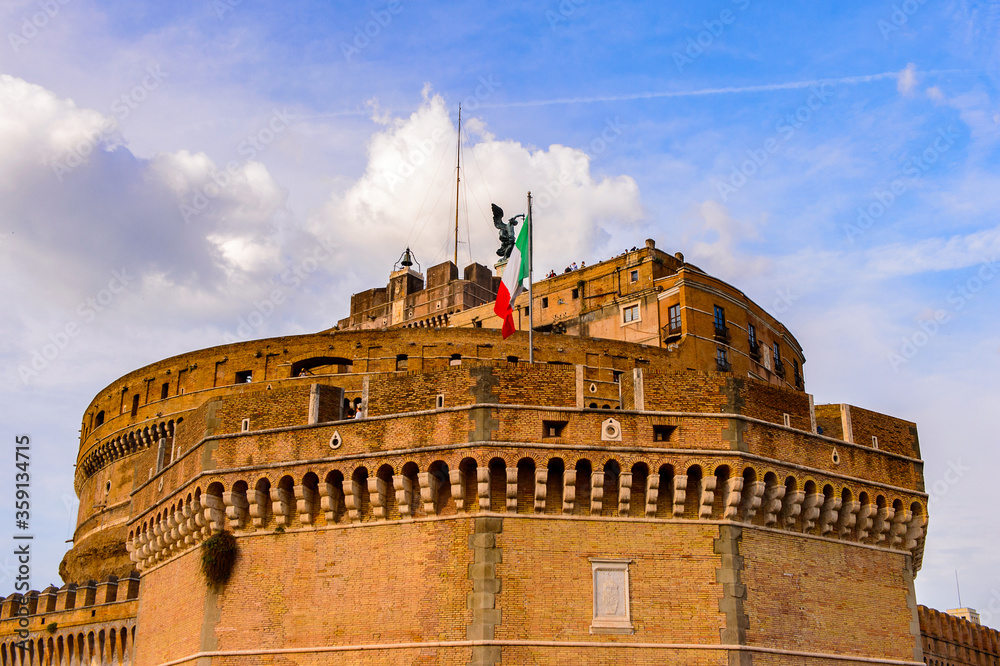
[[531, 304]]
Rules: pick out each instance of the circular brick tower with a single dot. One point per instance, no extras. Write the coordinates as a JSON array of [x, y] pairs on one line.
[[427, 496]]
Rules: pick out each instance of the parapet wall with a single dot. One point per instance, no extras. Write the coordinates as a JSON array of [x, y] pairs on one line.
[[954, 641], [89, 623]]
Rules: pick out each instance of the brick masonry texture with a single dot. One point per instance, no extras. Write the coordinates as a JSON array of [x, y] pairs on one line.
[[467, 503]]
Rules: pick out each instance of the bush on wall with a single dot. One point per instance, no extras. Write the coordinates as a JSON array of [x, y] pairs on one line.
[[218, 555]]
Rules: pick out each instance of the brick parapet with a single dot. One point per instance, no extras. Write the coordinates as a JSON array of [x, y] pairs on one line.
[[955, 641]]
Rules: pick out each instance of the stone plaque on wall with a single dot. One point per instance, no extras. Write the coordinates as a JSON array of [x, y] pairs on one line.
[[611, 596]]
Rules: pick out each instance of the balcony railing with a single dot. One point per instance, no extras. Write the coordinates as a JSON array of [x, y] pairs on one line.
[[779, 368], [723, 366], [722, 333], [671, 333], [755, 351], [799, 383]]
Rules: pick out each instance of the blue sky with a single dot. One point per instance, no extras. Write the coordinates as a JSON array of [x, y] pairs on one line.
[[839, 165]]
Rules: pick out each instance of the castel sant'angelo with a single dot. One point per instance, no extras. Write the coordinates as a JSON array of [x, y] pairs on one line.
[[657, 487]]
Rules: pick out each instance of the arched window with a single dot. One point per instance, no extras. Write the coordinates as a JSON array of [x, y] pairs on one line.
[[99, 420]]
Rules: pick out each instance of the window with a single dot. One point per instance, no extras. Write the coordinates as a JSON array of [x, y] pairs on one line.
[[674, 318], [164, 390], [576, 293], [401, 362], [135, 404], [631, 313], [553, 428], [245, 425], [633, 276], [720, 318], [545, 301], [439, 401], [100, 418], [244, 377], [777, 354], [874, 441], [612, 614], [662, 433], [754, 345], [787, 420], [512, 359], [455, 359], [722, 359]]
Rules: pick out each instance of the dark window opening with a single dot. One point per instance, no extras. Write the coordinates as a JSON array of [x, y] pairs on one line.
[[663, 433], [321, 365], [455, 359], [616, 376], [576, 293], [244, 376], [512, 359], [593, 405], [553, 428], [135, 404], [633, 276], [164, 390], [545, 301], [754, 344], [401, 361], [100, 418], [720, 317]]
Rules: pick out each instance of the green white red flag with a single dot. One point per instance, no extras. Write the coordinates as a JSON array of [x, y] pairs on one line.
[[512, 283]]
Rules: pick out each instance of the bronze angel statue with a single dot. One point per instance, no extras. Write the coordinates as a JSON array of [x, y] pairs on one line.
[[507, 235]]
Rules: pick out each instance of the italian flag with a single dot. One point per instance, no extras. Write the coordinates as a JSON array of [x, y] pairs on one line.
[[512, 283]]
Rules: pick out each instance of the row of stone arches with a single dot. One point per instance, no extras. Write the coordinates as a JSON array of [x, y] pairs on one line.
[[608, 486], [110, 646], [128, 443]]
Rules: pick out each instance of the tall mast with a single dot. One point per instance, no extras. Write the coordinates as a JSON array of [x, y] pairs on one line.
[[531, 292], [458, 177]]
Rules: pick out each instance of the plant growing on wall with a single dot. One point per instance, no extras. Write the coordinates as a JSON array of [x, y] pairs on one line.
[[218, 555]]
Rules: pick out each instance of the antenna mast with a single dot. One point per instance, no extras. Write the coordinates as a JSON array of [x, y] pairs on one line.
[[458, 177]]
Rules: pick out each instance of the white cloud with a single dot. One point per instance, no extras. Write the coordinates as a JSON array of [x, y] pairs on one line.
[[406, 197], [907, 79]]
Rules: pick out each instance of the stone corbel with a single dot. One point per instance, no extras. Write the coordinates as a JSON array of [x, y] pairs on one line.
[[596, 493], [900, 524], [403, 486], [810, 510], [828, 514], [377, 496], [624, 493], [569, 490], [352, 500], [848, 518], [511, 490], [680, 494], [733, 493], [882, 523], [915, 532], [791, 507], [429, 485], [541, 489], [328, 503], [236, 509], [652, 493], [457, 491], [772, 503], [259, 501], [483, 487], [281, 505], [707, 487], [866, 518]]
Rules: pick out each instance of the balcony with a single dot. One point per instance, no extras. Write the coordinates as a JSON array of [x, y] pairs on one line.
[[755, 351], [723, 365], [779, 368], [671, 333], [722, 334], [799, 382]]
